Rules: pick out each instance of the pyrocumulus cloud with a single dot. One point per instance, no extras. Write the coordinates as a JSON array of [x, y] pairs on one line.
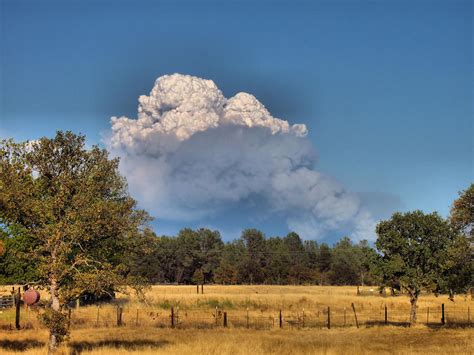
[[192, 154]]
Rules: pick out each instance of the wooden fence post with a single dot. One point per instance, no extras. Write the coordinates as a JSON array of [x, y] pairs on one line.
[[197, 289], [17, 308], [344, 316], [386, 315], [69, 312], [119, 316], [215, 315], [428, 316], [225, 319], [281, 320], [172, 317], [248, 325], [329, 317], [443, 319], [355, 315], [202, 289], [136, 319], [468, 315], [97, 318]]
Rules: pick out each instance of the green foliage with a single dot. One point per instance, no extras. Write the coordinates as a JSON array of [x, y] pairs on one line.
[[418, 252], [232, 255], [198, 277], [213, 303], [57, 322], [462, 212], [462, 219], [254, 261], [346, 263], [75, 219], [166, 304], [15, 264]]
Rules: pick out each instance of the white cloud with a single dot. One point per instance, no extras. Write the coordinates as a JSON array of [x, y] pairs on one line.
[[192, 154]]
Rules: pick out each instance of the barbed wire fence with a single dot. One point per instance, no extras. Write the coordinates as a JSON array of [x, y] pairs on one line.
[[182, 318]]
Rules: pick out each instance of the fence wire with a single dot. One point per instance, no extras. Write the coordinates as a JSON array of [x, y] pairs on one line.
[[322, 317]]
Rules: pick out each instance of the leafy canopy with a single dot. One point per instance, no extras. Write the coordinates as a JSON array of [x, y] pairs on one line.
[[73, 207], [418, 251], [462, 212]]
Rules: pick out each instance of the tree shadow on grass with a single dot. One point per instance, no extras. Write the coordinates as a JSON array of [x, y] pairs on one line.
[[430, 325], [459, 325], [20, 345], [77, 347], [391, 323]]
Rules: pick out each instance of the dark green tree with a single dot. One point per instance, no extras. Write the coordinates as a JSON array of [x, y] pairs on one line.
[[462, 212], [210, 250], [142, 259], [16, 265], [417, 251], [187, 255], [346, 263], [278, 261], [298, 259], [251, 268], [461, 277], [197, 250], [324, 262], [312, 251], [229, 266], [368, 263]]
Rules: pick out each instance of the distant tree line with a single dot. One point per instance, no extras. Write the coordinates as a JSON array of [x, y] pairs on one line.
[[200, 256]]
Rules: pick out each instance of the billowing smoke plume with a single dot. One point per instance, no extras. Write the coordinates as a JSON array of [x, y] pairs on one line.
[[192, 154]]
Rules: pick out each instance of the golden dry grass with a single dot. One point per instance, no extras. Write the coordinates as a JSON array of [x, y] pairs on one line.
[[198, 333], [376, 340]]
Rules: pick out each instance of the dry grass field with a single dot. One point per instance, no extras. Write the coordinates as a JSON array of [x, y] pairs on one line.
[[253, 323]]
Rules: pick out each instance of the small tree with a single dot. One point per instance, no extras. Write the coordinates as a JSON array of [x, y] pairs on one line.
[[324, 262], [346, 263], [462, 219], [368, 263], [253, 264], [462, 212], [74, 205], [417, 250]]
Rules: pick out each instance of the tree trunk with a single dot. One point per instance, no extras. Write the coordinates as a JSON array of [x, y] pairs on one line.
[[451, 295], [413, 299], [53, 341]]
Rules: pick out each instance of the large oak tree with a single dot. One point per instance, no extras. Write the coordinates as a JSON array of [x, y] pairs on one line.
[[73, 203], [418, 252]]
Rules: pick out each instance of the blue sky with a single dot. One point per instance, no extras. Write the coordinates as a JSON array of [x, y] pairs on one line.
[[385, 88]]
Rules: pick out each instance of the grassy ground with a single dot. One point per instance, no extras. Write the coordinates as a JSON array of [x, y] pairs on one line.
[[146, 329], [376, 340]]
